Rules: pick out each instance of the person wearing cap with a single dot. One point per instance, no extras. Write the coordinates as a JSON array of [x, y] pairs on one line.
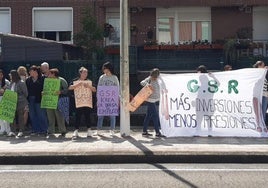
[[152, 112]]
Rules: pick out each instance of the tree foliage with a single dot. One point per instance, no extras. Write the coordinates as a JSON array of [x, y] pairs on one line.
[[91, 35]]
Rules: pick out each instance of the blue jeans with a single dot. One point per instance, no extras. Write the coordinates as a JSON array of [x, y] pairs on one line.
[[264, 107], [151, 114], [38, 116], [100, 122]]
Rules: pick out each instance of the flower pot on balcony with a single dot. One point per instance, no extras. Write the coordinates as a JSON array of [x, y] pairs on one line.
[[185, 47], [113, 50], [217, 46], [168, 47], [202, 46], [151, 47]]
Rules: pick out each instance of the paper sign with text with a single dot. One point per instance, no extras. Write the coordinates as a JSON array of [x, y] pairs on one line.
[[108, 100], [218, 104], [50, 97], [8, 106], [83, 94]]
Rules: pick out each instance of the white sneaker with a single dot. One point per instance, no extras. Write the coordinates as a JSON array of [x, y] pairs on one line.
[[112, 132], [11, 134], [89, 133], [96, 133], [20, 134], [75, 134]]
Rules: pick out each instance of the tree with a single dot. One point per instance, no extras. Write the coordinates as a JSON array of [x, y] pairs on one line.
[[91, 35]]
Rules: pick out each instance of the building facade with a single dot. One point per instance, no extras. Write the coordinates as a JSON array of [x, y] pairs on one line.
[[169, 22]]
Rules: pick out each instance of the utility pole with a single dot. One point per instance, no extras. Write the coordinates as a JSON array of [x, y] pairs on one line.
[[124, 70]]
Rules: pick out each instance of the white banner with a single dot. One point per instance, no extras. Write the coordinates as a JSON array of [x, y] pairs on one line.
[[215, 104]]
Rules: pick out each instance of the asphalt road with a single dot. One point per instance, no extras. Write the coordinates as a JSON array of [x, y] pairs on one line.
[[135, 175]]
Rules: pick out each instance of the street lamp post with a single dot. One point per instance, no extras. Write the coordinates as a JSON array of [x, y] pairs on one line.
[[124, 70]]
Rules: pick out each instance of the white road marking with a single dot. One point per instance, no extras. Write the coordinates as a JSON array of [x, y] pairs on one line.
[[133, 170]]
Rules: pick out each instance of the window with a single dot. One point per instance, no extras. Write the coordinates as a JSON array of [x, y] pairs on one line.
[[53, 23], [260, 26], [166, 30], [113, 18], [65, 36], [56, 36], [179, 25], [114, 37], [191, 31], [5, 20]]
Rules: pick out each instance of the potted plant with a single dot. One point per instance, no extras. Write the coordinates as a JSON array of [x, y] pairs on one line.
[[186, 46], [168, 46], [107, 29], [151, 45], [133, 29], [202, 45], [113, 49], [218, 44]]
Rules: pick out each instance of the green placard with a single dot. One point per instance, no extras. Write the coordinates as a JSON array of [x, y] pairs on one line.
[[50, 97], [8, 106]]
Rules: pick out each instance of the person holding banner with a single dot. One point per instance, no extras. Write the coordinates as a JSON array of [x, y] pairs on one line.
[[38, 115], [83, 89], [201, 69], [4, 83], [107, 97], [227, 68], [152, 112], [19, 86], [55, 115], [261, 64]]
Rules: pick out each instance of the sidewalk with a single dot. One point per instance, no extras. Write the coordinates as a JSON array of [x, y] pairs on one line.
[[132, 149]]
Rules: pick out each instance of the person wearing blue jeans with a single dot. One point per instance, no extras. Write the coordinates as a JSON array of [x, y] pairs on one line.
[[100, 122], [38, 116], [107, 79], [152, 112], [35, 83]]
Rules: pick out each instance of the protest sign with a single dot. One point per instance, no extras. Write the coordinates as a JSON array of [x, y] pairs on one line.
[[139, 98], [217, 104], [108, 100], [8, 106], [50, 96], [82, 94]]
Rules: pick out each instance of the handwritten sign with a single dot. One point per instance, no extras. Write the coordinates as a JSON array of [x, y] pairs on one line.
[[83, 94], [8, 106], [224, 103], [50, 98], [108, 100], [141, 96]]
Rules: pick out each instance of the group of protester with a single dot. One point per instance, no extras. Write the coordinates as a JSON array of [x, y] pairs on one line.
[[30, 90]]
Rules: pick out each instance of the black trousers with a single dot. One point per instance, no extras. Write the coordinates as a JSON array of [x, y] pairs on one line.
[[82, 111]]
